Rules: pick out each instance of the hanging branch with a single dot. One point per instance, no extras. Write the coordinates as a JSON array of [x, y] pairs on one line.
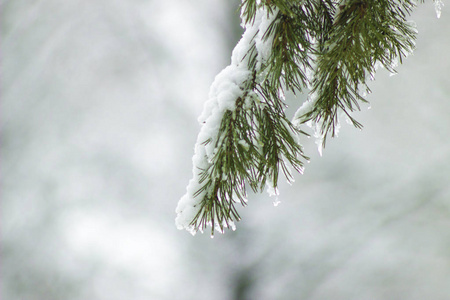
[[246, 139], [330, 47]]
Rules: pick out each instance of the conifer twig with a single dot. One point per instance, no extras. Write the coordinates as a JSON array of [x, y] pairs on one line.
[[328, 46]]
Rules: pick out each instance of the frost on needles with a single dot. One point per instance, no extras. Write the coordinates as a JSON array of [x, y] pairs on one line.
[[328, 48]]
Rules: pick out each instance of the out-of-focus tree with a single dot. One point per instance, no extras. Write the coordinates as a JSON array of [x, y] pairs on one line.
[[91, 146]]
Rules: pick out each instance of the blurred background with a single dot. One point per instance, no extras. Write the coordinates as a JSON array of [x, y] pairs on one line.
[[100, 101]]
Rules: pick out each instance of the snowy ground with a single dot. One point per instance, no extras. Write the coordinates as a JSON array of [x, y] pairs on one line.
[[99, 108]]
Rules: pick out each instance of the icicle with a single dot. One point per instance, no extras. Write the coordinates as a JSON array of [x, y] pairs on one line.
[[273, 191], [438, 4]]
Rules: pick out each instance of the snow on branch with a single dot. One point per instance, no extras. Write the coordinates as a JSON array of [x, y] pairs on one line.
[[331, 48]]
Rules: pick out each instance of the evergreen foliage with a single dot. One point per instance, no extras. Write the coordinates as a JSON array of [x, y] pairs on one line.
[[328, 47]]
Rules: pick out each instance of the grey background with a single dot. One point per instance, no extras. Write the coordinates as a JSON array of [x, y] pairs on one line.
[[98, 122]]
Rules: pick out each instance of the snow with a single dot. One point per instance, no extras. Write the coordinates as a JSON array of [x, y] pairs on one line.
[[305, 108], [298, 120], [244, 144]]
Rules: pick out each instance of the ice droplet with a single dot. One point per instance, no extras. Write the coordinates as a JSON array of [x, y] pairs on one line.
[[271, 190], [348, 120], [232, 225], [438, 4], [319, 143], [320, 149]]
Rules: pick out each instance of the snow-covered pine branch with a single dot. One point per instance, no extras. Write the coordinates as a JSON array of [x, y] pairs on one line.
[[331, 47], [245, 136]]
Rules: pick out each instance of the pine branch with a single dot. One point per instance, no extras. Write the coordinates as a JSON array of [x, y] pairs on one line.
[[328, 46], [363, 35], [254, 140]]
